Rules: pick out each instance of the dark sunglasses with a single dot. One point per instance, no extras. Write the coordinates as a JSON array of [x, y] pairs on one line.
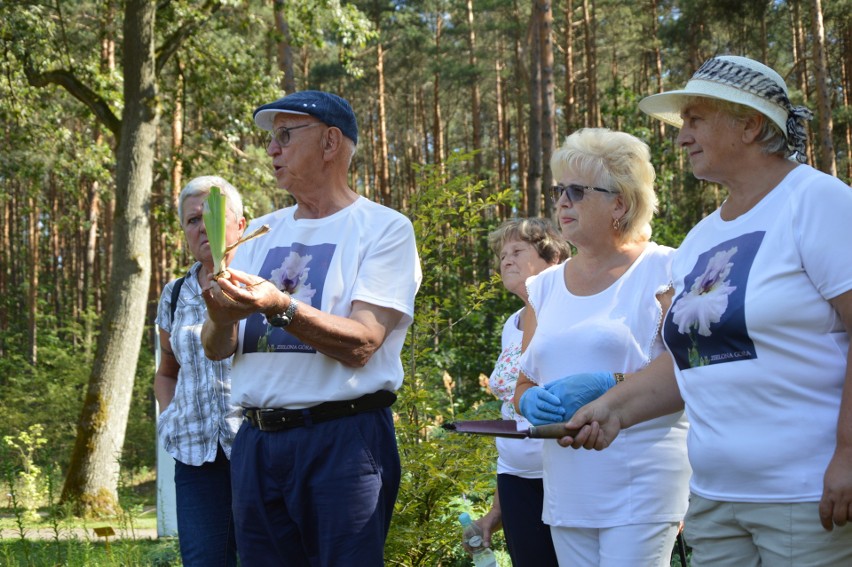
[[574, 192], [282, 135]]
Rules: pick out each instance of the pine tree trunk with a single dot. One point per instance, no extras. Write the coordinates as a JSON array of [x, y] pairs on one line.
[[57, 240], [593, 114], [384, 167], [285, 49], [521, 135], [88, 259], [32, 281], [801, 59], [548, 100], [372, 175], [438, 126], [659, 128], [568, 48], [827, 162], [475, 96], [502, 154], [535, 166]]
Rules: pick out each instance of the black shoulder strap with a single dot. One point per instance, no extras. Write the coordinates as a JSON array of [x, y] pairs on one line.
[[176, 293]]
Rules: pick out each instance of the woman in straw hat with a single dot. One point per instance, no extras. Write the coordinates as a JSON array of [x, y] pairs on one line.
[[757, 335]]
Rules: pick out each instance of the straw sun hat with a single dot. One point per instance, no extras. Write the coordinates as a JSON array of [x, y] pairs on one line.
[[743, 81]]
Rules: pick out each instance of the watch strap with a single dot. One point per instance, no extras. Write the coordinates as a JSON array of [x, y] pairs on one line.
[[285, 318]]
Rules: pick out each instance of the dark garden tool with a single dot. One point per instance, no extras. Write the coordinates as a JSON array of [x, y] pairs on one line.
[[508, 428]]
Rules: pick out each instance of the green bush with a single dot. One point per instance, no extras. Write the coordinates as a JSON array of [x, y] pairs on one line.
[[451, 343]]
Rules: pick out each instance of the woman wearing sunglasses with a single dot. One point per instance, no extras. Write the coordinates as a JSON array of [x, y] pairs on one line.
[[603, 308]]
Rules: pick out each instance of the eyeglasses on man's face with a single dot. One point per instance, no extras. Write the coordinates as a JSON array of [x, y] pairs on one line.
[[282, 135], [574, 192]]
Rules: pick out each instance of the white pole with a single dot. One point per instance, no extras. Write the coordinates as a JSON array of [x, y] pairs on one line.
[[166, 501]]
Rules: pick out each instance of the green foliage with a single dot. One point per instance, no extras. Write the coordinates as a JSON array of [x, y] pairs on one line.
[[27, 483], [80, 552], [50, 395], [444, 474]]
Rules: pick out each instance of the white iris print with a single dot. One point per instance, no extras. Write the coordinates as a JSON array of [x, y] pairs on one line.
[[292, 277], [707, 300]]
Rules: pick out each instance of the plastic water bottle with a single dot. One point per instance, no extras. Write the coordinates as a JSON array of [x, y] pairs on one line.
[[472, 536]]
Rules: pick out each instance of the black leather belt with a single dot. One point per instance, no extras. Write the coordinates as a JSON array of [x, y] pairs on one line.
[[272, 419]]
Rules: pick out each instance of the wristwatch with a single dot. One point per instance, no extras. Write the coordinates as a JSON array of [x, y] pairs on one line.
[[284, 319]]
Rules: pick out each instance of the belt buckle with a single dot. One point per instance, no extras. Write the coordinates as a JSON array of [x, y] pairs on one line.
[[259, 417]]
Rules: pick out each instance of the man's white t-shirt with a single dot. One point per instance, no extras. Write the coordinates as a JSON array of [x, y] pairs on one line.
[[364, 252]]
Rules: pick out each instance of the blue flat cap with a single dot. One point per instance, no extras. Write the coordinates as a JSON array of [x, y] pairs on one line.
[[326, 107]]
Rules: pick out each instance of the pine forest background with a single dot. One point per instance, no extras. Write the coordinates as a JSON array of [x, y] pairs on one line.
[[110, 106]]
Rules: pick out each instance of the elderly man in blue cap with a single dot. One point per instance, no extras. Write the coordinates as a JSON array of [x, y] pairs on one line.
[[315, 314]]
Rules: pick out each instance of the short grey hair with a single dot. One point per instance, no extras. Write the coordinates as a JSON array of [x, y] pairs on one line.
[[200, 186]]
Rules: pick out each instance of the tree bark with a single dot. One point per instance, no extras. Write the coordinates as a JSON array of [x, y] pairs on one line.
[[521, 135], [658, 67], [535, 166], [285, 49], [438, 126], [88, 259], [503, 157], [475, 96], [32, 281], [92, 479], [570, 101], [801, 61], [593, 113], [827, 162], [384, 162], [548, 100]]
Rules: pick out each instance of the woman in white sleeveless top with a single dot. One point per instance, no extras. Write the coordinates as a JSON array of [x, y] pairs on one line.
[[602, 309]]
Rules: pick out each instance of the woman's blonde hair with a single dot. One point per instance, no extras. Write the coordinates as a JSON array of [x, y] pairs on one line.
[[539, 233], [617, 161]]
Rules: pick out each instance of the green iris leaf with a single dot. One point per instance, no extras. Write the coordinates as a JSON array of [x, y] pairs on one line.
[[214, 224]]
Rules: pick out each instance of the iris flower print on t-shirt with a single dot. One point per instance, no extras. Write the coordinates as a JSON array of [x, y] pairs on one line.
[[300, 270], [706, 323]]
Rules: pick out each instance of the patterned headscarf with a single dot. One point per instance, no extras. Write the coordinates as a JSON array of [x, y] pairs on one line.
[[741, 77]]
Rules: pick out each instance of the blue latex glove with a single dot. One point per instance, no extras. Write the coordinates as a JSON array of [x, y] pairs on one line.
[[540, 407], [577, 390]]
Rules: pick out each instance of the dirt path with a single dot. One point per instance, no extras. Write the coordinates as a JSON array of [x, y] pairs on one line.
[[77, 533]]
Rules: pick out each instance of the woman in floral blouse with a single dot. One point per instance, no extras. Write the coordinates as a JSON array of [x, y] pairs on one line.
[[525, 247]]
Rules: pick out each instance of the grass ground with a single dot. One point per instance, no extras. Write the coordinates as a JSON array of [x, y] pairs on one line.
[[73, 542], [52, 539]]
